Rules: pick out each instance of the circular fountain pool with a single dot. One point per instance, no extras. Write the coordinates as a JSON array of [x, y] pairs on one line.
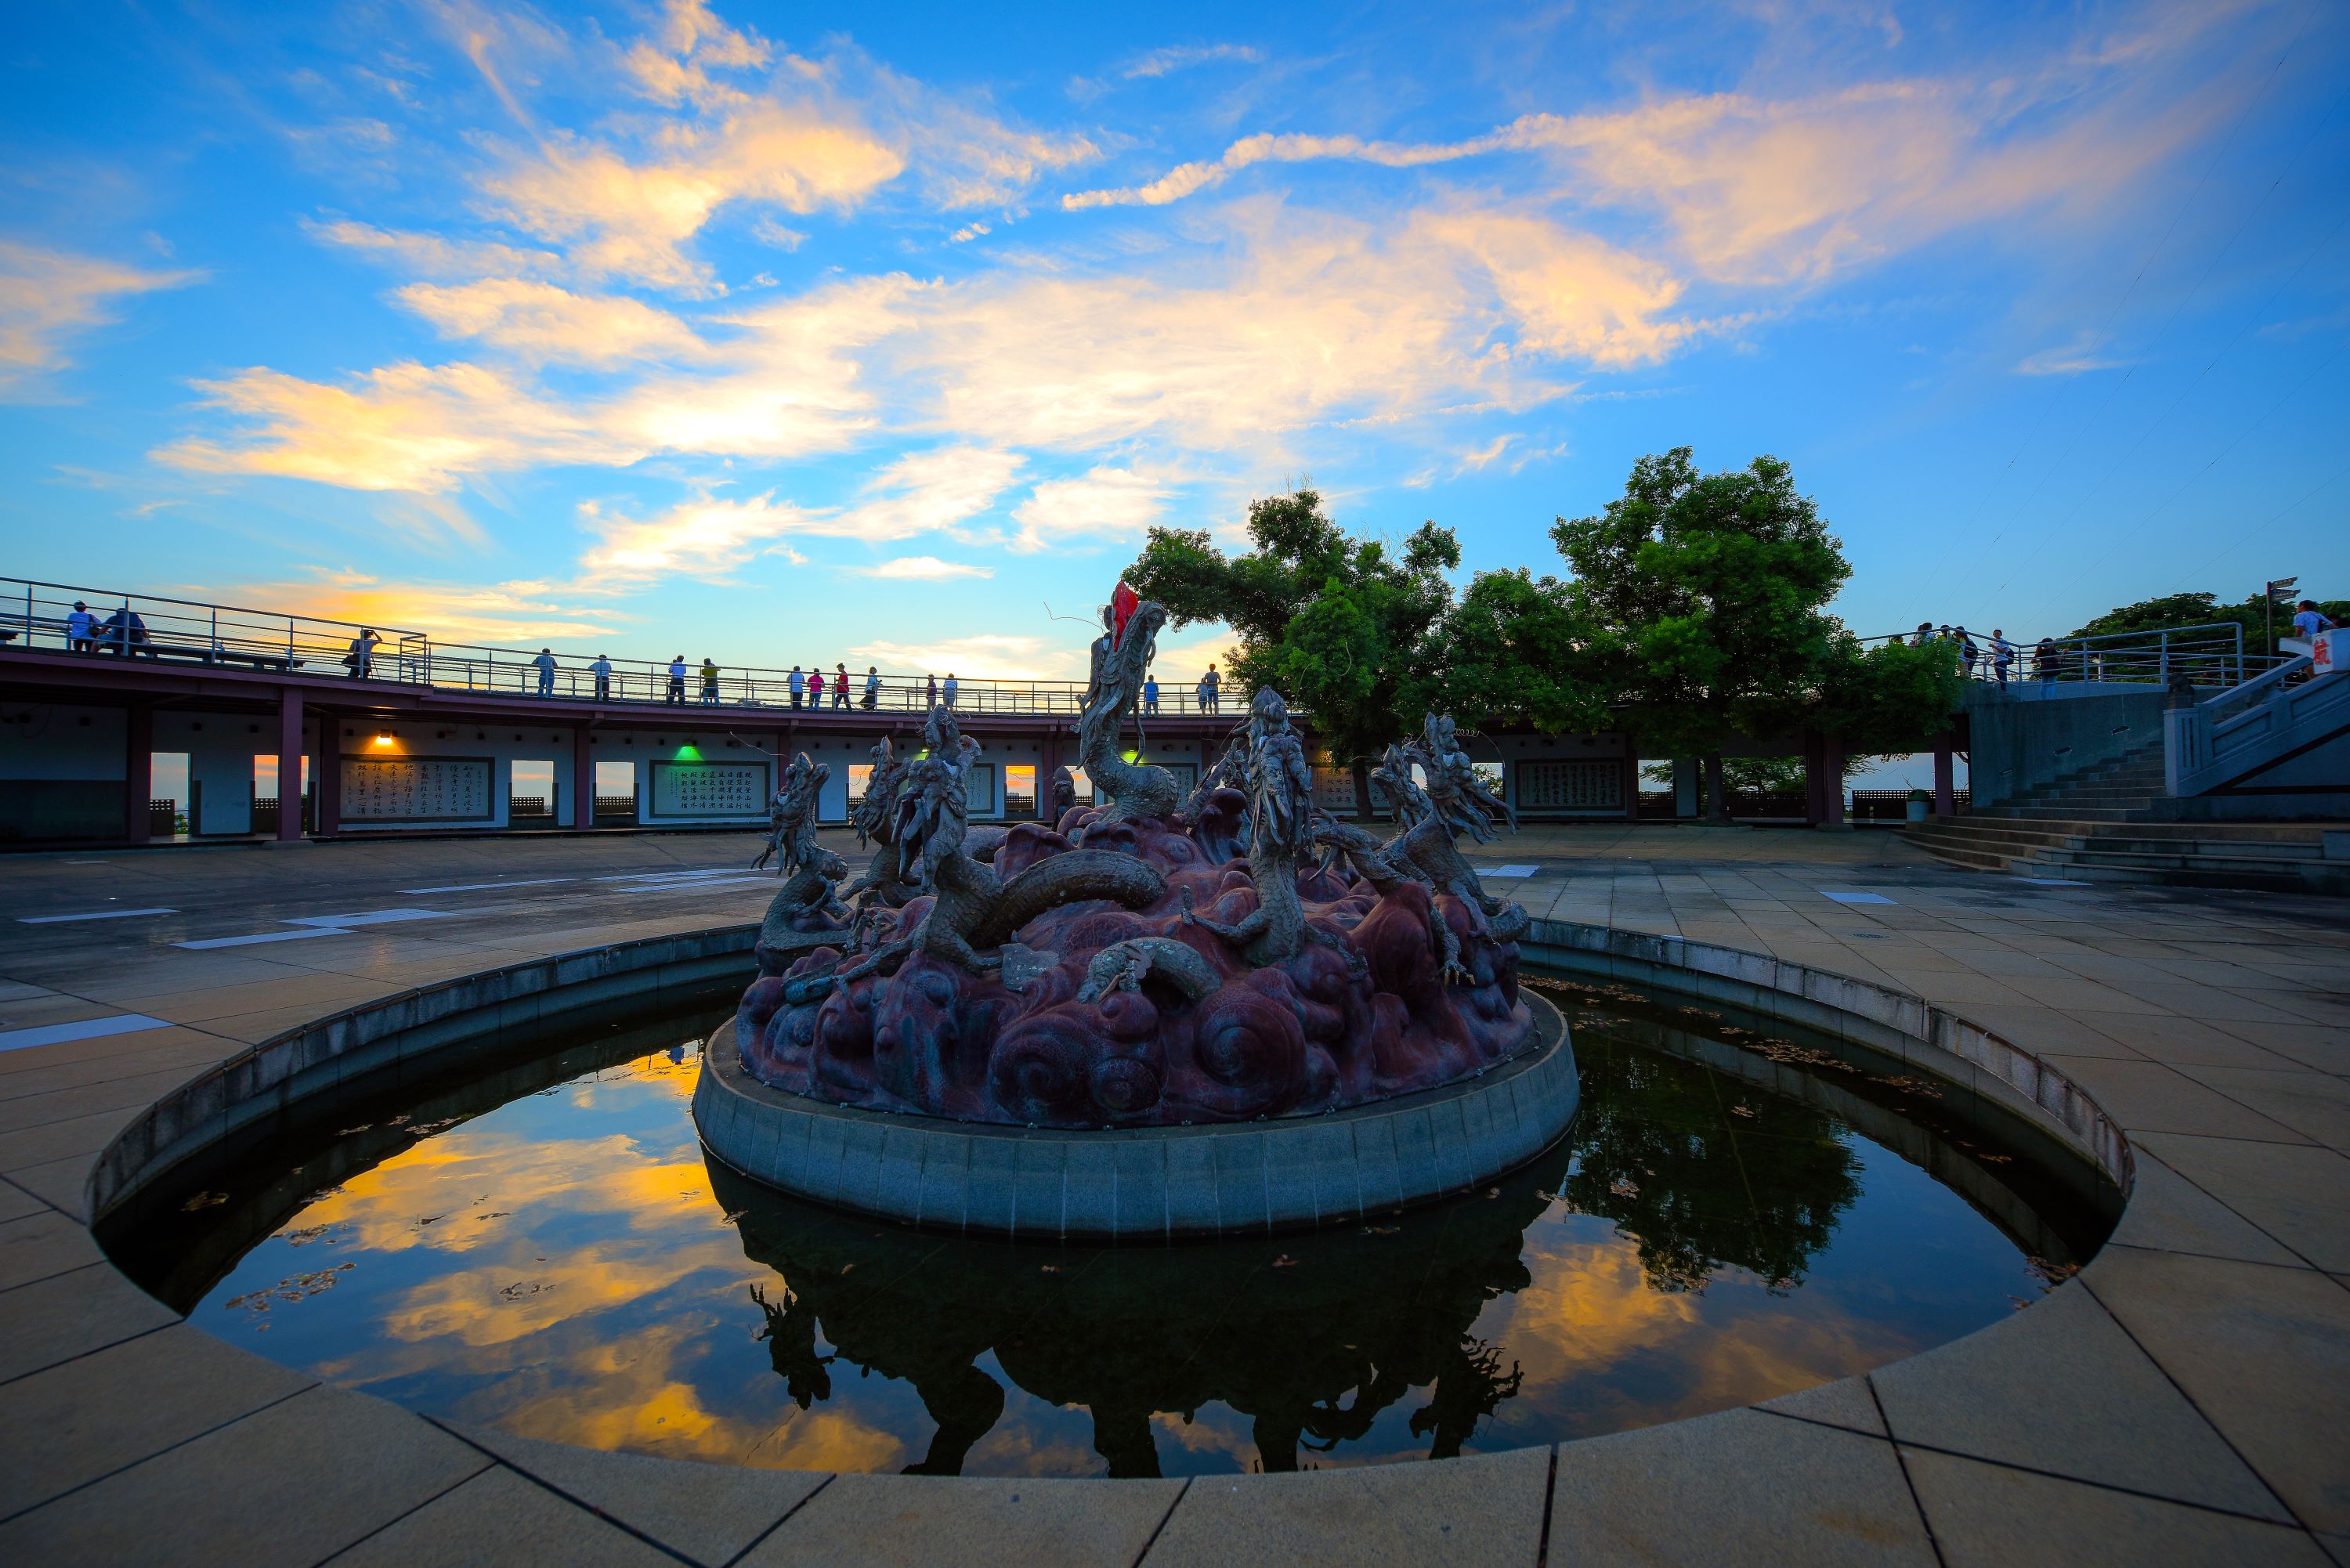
[[1739, 1211]]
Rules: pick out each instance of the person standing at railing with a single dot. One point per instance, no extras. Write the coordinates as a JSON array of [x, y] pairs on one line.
[[2044, 660], [1967, 653], [872, 687], [816, 688], [1923, 635], [2310, 621], [544, 665], [1210, 686], [360, 660], [709, 682], [602, 670], [800, 685], [1151, 696], [676, 681], [79, 628], [2003, 655], [952, 687], [932, 694], [840, 683]]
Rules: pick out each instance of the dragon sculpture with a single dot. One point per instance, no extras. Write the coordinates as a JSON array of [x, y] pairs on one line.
[[806, 911], [1143, 960]]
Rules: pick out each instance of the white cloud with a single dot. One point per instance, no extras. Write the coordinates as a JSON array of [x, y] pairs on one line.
[[541, 322], [2072, 359], [48, 297], [924, 569], [1103, 505], [515, 612], [968, 232], [702, 537], [432, 256], [1160, 62], [991, 657]]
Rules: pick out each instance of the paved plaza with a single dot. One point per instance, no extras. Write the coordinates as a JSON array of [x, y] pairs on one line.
[[2179, 1401]]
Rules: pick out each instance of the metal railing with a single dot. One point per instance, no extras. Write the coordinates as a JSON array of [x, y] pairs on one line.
[[2208, 655], [38, 615]]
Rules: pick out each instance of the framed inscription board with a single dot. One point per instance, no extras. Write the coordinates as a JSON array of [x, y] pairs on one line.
[[702, 790], [418, 789], [1571, 785]]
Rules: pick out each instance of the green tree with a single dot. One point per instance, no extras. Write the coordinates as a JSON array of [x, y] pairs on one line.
[[1514, 646], [1705, 597], [2167, 612], [1334, 623], [1888, 700]]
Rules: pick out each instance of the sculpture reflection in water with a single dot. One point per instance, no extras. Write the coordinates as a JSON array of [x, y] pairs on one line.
[[1145, 960], [1312, 1337]]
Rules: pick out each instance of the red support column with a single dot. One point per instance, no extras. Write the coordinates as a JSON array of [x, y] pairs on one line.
[[583, 780], [1945, 797], [1831, 776], [137, 771], [326, 775], [289, 765]]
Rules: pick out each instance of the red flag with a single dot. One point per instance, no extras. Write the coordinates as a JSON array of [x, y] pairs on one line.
[[1122, 606]]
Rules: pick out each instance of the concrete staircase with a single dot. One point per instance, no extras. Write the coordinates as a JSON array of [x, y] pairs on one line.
[[2106, 823]]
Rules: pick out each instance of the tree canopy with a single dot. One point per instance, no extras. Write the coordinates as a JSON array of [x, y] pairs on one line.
[[2167, 612], [1695, 605], [1335, 624]]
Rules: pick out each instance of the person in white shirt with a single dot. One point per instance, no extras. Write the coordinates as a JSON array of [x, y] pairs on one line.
[[676, 681], [799, 684], [81, 630], [951, 689], [544, 665], [602, 670], [2311, 621]]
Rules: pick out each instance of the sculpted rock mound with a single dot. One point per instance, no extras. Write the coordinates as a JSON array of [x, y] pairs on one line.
[[1142, 1016]]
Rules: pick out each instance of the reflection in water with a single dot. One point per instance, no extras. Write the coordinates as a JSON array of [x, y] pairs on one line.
[[549, 1253]]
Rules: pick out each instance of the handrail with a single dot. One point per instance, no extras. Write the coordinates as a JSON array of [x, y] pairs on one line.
[[223, 634]]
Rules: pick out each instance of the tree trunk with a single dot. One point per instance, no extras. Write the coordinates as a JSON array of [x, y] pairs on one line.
[[1362, 789], [1717, 803]]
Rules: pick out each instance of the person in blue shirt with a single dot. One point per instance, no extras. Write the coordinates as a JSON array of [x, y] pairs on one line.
[[1150, 694]]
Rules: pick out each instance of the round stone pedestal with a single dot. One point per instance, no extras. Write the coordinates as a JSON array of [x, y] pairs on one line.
[[1143, 1181]]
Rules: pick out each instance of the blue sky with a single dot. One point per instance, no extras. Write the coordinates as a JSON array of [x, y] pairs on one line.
[[796, 335]]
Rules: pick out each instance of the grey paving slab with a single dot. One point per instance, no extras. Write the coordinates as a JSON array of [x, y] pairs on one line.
[[2060, 1387], [912, 1522], [1846, 1403], [707, 1513], [69, 1315], [15, 1202], [286, 1487], [1481, 1512], [2150, 1096], [1987, 1516], [2264, 1354], [2299, 1194], [66, 1425], [2316, 1105], [2168, 1213], [500, 1520], [1737, 1487], [41, 1244]]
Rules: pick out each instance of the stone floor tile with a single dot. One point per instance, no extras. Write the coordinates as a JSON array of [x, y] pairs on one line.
[[291, 1484], [1846, 1403], [2060, 1387], [709, 1513], [2168, 1213], [62, 1184], [2051, 1031], [84, 1135], [2151, 1097], [1993, 1516], [80, 1421], [907, 1522], [2211, 1001], [2310, 1044], [2316, 1105], [2297, 1193], [2182, 1041], [182, 1050], [15, 1202], [42, 1244], [1738, 1487], [25, 1111], [500, 1519], [1469, 1512], [2263, 1352], [71, 1315]]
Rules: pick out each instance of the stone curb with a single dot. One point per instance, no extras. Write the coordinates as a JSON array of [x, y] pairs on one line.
[[277, 1075]]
